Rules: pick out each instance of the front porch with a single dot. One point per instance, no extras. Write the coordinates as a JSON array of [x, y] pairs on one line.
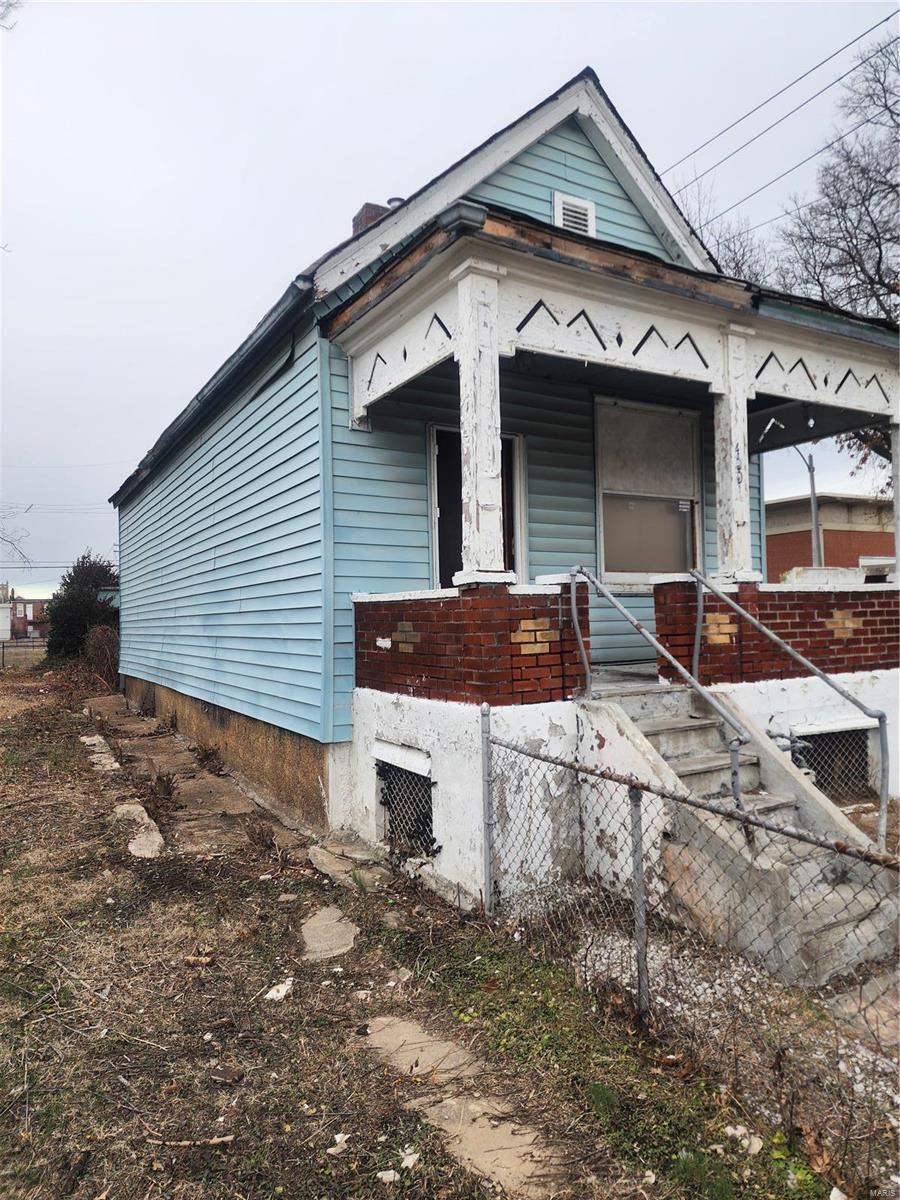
[[511, 416]]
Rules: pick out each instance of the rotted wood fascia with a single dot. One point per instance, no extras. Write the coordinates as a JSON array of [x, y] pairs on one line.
[[386, 282]]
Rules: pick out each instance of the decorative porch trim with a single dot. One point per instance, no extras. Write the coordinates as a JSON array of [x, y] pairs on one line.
[[635, 325]]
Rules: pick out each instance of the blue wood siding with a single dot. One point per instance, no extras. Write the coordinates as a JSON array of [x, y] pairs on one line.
[[565, 161], [221, 557], [382, 517], [239, 558]]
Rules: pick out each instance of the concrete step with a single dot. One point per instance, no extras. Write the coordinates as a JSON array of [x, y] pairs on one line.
[[675, 737], [649, 701], [761, 804], [710, 774]]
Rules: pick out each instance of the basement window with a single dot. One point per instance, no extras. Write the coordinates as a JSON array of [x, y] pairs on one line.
[[407, 800], [840, 762], [574, 214]]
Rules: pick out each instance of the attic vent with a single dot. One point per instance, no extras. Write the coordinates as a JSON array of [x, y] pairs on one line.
[[573, 214]]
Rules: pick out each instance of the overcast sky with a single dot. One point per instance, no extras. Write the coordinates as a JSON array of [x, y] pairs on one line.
[[168, 168]]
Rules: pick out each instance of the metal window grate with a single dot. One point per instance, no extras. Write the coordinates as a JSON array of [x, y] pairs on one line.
[[839, 761], [406, 797]]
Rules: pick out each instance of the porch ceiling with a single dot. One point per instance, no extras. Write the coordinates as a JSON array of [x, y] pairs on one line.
[[608, 380], [774, 423]]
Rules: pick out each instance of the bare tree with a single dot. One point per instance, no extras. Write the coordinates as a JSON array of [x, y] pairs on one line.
[[844, 246], [730, 241], [7, 8], [11, 538]]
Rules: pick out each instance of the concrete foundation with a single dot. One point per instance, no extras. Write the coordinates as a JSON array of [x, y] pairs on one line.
[[290, 769]]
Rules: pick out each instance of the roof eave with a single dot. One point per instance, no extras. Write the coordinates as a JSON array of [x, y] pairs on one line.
[[287, 308]]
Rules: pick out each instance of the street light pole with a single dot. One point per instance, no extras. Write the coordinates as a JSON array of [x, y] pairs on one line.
[[813, 498], [813, 508]]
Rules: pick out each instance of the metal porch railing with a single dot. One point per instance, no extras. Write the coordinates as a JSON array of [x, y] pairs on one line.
[[741, 736], [875, 714]]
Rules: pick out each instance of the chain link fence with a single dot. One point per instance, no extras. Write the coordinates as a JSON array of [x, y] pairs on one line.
[[21, 653], [764, 953]]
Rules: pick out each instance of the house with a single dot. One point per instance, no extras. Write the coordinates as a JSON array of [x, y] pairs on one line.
[[361, 529], [30, 619], [27, 616], [854, 530]]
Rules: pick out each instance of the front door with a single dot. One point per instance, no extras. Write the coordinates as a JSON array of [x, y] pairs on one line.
[[447, 468]]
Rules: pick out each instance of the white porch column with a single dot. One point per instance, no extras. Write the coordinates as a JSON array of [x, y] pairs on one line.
[[477, 355], [732, 459], [895, 477]]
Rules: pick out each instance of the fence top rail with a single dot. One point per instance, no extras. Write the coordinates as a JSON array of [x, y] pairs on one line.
[[863, 853]]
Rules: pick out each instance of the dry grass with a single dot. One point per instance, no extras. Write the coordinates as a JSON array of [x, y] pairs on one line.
[[127, 986]]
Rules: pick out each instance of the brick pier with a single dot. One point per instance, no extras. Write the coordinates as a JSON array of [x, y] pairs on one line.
[[485, 642], [839, 631]]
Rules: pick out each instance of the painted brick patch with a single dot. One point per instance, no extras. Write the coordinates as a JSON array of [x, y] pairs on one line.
[[838, 631], [486, 644]]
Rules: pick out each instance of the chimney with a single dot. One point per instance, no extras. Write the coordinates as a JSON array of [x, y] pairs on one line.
[[367, 215]]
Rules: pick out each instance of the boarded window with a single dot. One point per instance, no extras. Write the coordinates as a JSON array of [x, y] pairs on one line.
[[647, 534], [649, 481]]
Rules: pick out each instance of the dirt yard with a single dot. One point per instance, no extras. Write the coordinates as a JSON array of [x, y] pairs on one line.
[[142, 1058]]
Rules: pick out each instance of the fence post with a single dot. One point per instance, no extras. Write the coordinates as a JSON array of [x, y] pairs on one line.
[[639, 903], [487, 809]]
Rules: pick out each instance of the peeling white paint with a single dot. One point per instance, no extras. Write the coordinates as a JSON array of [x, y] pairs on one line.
[[446, 738], [780, 705], [478, 357]]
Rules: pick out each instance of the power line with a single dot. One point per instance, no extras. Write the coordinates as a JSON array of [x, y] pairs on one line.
[[774, 124], [19, 508], [802, 163], [780, 217], [63, 466], [775, 95]]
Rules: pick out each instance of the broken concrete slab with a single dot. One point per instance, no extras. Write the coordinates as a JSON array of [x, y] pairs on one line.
[[156, 758], [354, 848], [95, 742], [102, 758], [147, 841], [207, 834], [348, 872], [132, 726], [111, 704], [327, 934], [872, 1010], [485, 1140], [414, 1052], [479, 1130], [208, 794]]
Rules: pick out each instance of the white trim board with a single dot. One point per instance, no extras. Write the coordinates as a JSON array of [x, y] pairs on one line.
[[604, 129]]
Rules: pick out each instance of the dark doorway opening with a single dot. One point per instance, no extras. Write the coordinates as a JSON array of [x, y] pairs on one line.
[[448, 479]]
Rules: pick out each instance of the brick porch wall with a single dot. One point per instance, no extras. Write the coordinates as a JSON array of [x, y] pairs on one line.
[[486, 644], [838, 631]]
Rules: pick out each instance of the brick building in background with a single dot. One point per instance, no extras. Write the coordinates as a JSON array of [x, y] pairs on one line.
[[27, 616], [853, 528]]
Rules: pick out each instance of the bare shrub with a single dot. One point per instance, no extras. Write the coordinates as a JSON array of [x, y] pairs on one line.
[[101, 653]]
